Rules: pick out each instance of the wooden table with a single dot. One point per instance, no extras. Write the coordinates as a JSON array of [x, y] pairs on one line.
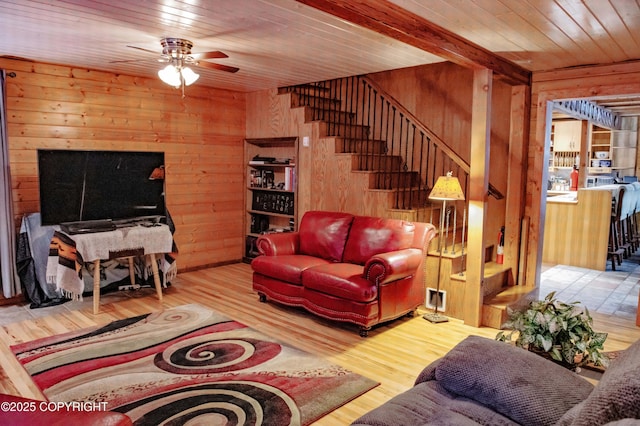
[[123, 242]]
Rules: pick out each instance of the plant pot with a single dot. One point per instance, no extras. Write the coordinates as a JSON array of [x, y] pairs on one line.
[[573, 367]]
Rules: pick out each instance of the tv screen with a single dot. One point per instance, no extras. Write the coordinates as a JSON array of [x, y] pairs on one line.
[[97, 185]]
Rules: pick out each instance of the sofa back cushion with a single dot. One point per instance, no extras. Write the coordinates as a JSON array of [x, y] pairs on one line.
[[617, 395], [372, 235], [518, 384], [323, 234]]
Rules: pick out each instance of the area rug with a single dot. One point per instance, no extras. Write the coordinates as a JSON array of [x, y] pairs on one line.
[[189, 365]]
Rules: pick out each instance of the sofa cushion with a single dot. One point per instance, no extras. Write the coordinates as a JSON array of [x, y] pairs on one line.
[[371, 235], [429, 404], [617, 395], [323, 234], [523, 386], [287, 267], [343, 280]]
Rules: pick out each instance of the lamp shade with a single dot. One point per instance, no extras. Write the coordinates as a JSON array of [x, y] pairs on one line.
[[189, 76], [170, 75], [447, 188]]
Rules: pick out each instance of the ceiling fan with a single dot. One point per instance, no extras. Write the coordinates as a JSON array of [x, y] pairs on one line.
[[177, 53]]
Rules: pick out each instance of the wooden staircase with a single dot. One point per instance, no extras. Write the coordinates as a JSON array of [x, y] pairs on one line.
[[369, 165], [370, 162]]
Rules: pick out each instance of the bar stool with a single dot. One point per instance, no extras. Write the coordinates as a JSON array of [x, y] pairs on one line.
[[616, 251]]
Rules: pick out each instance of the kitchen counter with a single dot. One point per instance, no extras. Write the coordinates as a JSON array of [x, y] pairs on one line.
[[562, 197], [576, 228]]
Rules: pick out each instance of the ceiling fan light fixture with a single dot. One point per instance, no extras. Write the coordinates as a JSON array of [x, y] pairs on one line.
[[189, 76], [170, 75]]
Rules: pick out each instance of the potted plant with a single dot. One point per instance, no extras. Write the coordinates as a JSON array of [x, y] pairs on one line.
[[558, 330]]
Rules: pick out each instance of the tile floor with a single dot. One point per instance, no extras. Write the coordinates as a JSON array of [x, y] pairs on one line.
[[608, 292]]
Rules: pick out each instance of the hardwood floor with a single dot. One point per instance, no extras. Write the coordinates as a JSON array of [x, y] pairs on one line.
[[393, 354]]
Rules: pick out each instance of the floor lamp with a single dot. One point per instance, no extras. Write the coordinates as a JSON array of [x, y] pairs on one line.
[[447, 188]]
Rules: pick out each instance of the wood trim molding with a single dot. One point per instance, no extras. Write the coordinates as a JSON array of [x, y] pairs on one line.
[[400, 24]]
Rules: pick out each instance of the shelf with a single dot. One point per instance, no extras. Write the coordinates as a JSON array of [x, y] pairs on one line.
[[272, 206], [253, 234], [257, 188], [595, 170], [273, 142], [270, 213], [266, 165]]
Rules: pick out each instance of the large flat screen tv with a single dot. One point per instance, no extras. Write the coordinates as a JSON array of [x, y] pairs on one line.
[[97, 185]]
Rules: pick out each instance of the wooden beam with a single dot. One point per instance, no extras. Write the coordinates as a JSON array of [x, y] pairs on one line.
[[478, 193], [518, 142], [393, 21]]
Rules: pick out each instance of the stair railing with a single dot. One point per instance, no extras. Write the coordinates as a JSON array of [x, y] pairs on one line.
[[389, 140]]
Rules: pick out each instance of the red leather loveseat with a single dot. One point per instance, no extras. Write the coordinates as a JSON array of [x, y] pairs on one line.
[[358, 269]]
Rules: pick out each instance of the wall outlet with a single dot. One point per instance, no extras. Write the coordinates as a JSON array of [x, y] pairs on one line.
[[305, 141]]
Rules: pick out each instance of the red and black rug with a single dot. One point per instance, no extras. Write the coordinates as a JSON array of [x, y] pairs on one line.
[[189, 364]]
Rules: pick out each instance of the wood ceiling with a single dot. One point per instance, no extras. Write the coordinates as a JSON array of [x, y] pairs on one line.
[[283, 42]]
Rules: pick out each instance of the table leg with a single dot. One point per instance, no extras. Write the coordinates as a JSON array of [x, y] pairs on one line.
[[156, 275], [132, 272], [96, 286]]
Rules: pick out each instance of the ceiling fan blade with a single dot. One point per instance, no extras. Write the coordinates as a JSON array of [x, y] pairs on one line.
[[143, 49], [128, 60], [218, 67], [209, 55]]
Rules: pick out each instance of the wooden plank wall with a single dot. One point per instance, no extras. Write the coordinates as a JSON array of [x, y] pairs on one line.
[[52, 106], [440, 96]]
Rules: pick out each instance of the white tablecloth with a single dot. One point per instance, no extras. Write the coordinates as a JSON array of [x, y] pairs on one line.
[[102, 245]]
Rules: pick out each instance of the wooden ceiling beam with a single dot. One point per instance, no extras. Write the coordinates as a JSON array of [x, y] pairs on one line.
[[391, 20]]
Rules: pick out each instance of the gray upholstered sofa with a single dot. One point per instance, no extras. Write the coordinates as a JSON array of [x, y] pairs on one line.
[[482, 381]]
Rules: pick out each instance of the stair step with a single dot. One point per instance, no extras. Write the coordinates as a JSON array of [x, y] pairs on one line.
[[355, 131], [303, 100], [329, 115], [360, 146], [496, 278], [376, 162], [390, 180], [494, 308], [306, 89]]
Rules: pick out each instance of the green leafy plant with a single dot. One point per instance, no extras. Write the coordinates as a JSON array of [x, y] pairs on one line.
[[562, 331]]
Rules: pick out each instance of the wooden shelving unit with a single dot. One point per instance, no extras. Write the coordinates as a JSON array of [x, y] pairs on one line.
[[271, 188]]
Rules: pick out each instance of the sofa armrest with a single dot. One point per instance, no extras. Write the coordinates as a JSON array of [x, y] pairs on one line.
[[394, 265], [278, 244]]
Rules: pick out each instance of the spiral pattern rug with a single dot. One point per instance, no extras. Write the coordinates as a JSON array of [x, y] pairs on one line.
[[189, 365]]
